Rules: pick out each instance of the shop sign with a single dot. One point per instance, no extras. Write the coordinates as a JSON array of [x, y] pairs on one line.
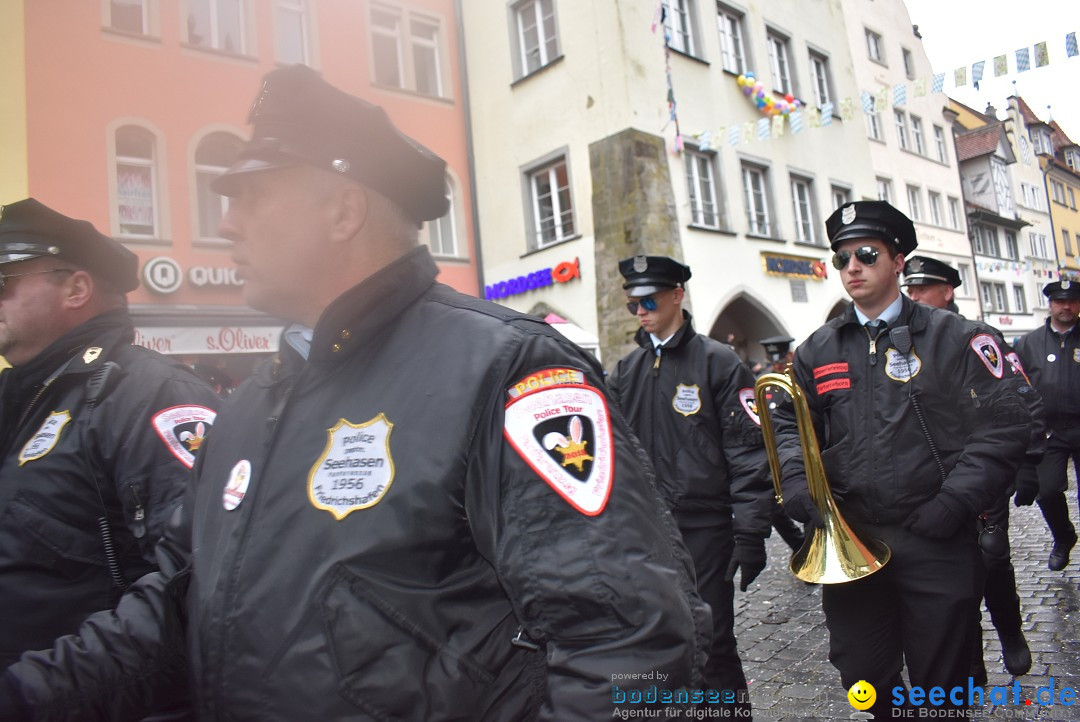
[[209, 339], [777, 264], [162, 274], [214, 276], [562, 273], [1005, 320]]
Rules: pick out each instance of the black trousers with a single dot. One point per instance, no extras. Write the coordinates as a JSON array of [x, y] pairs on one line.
[[1063, 445], [999, 588], [918, 609]]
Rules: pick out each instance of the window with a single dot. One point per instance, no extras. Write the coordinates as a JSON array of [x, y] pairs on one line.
[[935, 208], [1040, 140], [1032, 196], [291, 32], [129, 16], [954, 213], [1057, 190], [939, 144], [917, 136], [441, 233], [909, 63], [913, 203], [965, 278], [802, 197], [873, 124], [1000, 304], [552, 209], [538, 40], [136, 182], [1039, 247], [679, 22], [985, 241], [1072, 159], [1072, 199], [901, 128], [732, 51], [884, 190], [1019, 299], [993, 297], [757, 199], [1066, 240], [840, 196], [217, 24], [819, 72], [701, 182], [1012, 250], [419, 69], [779, 67], [874, 46], [215, 153]]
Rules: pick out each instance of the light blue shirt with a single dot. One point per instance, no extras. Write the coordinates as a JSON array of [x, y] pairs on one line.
[[889, 315], [299, 337]]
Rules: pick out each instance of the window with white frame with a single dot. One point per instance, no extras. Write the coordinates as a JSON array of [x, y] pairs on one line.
[[1032, 196], [130, 16], [917, 135], [1072, 158], [1019, 299], [1072, 199], [1040, 141], [732, 49], [954, 213], [701, 176], [874, 46], [679, 23], [873, 124], [884, 190], [136, 182], [840, 196], [914, 206], [985, 241], [1012, 249], [901, 128], [291, 32], [441, 234], [1000, 302], [965, 279], [1067, 241], [1057, 190], [934, 199], [993, 296], [802, 198], [214, 154], [218, 24], [1039, 246], [755, 190], [779, 62], [537, 35], [909, 63], [819, 73], [939, 144], [406, 50], [552, 208]]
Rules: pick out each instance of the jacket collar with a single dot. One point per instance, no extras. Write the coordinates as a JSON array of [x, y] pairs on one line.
[[913, 315], [1051, 329], [81, 350], [684, 334]]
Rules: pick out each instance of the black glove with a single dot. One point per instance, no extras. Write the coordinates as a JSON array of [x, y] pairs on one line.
[[749, 555], [800, 507], [1027, 485], [939, 518]]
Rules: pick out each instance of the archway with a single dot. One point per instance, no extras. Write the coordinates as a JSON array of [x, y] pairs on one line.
[[743, 323]]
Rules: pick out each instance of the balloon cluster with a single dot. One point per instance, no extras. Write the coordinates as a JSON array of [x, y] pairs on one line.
[[765, 102]]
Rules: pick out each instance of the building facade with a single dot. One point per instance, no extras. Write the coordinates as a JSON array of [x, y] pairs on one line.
[[1060, 162]]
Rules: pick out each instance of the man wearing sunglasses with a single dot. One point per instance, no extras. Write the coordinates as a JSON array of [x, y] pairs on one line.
[[97, 436], [688, 398], [922, 426]]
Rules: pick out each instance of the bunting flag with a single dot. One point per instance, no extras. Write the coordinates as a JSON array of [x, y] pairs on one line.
[[920, 87], [899, 93], [813, 117], [881, 100], [826, 113], [733, 135], [796, 120], [1070, 45], [1001, 66], [977, 73], [960, 76], [705, 141], [748, 132], [1023, 62], [1042, 57], [763, 129], [847, 111], [777, 126], [938, 83], [867, 102]]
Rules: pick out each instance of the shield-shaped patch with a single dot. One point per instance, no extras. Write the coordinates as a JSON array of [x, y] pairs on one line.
[[44, 439], [183, 429], [988, 352], [355, 470], [687, 399]]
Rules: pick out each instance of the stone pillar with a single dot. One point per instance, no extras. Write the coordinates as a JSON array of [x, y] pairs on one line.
[[633, 214]]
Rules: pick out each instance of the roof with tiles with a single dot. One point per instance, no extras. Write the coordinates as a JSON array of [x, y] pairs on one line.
[[978, 142]]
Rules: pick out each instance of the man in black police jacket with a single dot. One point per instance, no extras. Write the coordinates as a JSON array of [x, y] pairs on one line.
[[921, 428], [1051, 355], [420, 509], [97, 437], [688, 398]]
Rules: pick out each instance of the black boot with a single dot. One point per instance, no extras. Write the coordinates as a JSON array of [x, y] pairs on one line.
[[1015, 652], [1056, 512]]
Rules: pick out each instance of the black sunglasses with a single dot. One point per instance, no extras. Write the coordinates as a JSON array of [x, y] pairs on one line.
[[867, 256], [648, 303], [5, 276]]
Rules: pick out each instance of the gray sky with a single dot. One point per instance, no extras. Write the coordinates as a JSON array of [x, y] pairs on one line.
[[961, 32]]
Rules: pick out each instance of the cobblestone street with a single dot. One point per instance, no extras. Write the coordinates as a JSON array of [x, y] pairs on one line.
[[784, 643]]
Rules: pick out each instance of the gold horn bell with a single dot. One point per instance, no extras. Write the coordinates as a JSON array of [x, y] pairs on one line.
[[832, 554]]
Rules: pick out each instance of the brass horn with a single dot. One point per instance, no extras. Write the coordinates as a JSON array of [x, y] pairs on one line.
[[832, 554]]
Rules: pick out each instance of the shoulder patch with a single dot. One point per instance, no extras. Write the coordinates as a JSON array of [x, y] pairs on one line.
[[562, 430], [986, 348], [182, 429], [746, 398], [687, 399], [1017, 367], [44, 439]]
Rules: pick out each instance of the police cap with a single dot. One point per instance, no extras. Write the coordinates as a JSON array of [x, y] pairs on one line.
[[776, 347], [30, 229], [926, 271], [871, 219], [299, 118], [1062, 291], [645, 275]]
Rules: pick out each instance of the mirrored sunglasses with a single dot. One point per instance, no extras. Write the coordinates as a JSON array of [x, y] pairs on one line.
[[867, 256], [648, 303]]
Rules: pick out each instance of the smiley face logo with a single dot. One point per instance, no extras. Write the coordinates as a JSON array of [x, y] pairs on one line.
[[862, 695]]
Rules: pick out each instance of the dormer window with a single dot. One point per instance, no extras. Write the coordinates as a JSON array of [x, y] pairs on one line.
[[1040, 139]]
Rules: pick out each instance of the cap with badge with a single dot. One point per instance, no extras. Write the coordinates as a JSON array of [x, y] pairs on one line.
[[30, 229], [926, 271], [299, 118], [1062, 291], [646, 275], [777, 347], [871, 219]]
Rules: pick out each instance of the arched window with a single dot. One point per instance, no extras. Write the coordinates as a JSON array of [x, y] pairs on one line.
[[215, 153], [136, 182]]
